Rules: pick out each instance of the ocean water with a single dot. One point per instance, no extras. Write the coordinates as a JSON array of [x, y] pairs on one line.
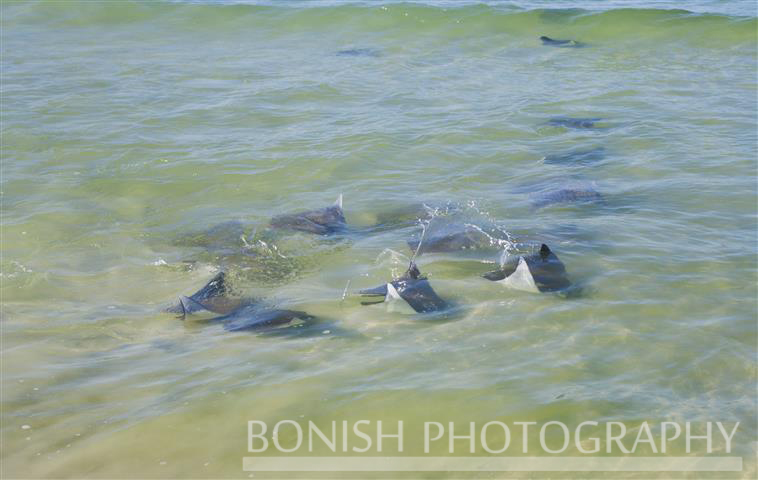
[[134, 134]]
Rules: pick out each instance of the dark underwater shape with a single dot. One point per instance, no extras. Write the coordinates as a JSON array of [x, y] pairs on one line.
[[253, 317], [570, 122], [324, 221], [561, 43], [452, 238], [567, 196], [537, 272], [358, 52], [579, 157], [236, 313], [412, 214], [413, 288], [401, 217], [220, 239]]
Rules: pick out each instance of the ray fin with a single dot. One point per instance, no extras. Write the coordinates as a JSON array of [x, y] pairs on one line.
[[376, 291], [521, 278], [187, 305], [392, 293]]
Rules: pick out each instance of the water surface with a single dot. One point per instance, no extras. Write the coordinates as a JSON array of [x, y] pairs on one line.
[[129, 127]]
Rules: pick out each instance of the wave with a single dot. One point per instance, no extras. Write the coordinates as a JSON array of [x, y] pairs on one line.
[[458, 20]]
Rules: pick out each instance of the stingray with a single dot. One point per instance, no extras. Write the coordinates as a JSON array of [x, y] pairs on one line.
[[453, 237], [585, 195], [411, 288], [269, 256], [561, 43], [256, 317], [580, 157], [235, 313], [562, 190], [219, 240], [537, 272], [323, 221], [571, 122], [458, 231], [358, 52], [403, 216], [408, 215], [258, 256]]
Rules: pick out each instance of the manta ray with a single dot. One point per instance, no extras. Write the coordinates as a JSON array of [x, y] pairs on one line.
[[537, 272], [411, 288], [323, 221], [235, 313]]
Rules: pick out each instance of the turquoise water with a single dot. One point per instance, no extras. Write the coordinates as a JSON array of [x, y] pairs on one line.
[[131, 129]]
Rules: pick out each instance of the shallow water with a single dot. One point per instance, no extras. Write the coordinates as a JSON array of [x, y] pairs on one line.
[[127, 128]]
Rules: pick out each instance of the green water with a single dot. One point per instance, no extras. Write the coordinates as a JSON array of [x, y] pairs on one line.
[[129, 127]]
